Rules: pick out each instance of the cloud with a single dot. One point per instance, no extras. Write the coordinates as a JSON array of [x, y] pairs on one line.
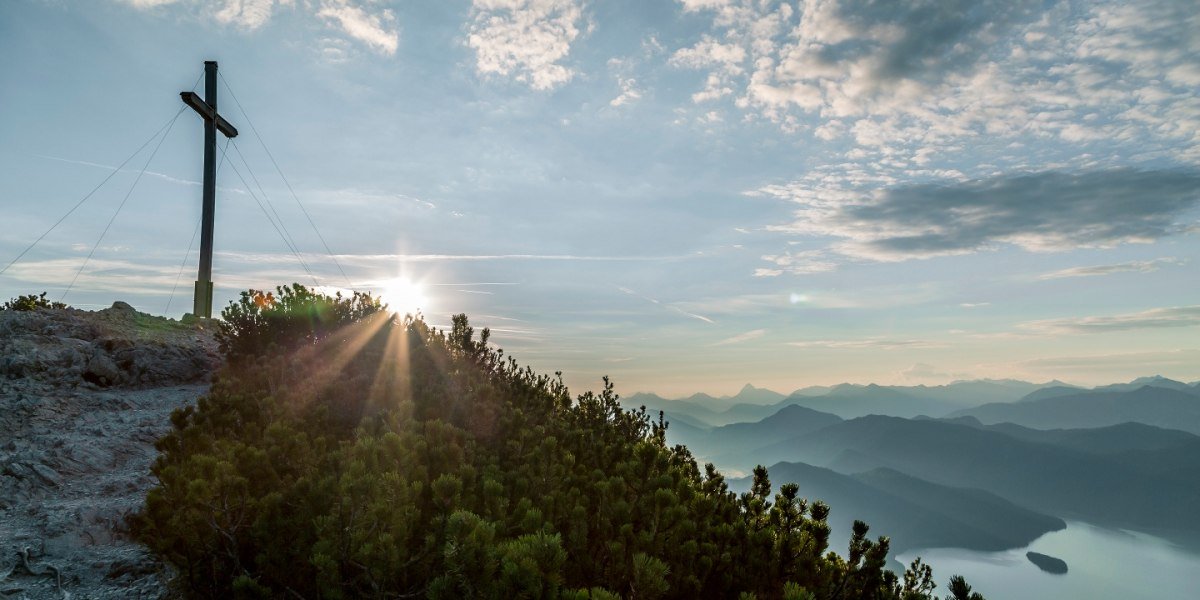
[[837, 55], [741, 337], [156, 174], [1136, 266], [476, 284], [144, 4], [926, 372], [796, 263], [525, 39], [1046, 211], [101, 274], [629, 92], [361, 20], [1155, 318], [871, 297], [866, 344], [671, 307], [724, 60], [392, 259], [417, 201], [1142, 363], [249, 14], [905, 82], [1180, 364], [883, 42], [709, 52], [376, 30]]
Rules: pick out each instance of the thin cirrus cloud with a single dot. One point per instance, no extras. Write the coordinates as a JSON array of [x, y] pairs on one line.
[[925, 371], [1155, 318], [525, 40], [741, 338], [1045, 211], [1106, 363], [156, 174], [114, 275], [870, 343], [670, 307], [1133, 266]]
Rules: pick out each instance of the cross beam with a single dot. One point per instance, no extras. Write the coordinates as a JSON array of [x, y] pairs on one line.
[[213, 121], [193, 100]]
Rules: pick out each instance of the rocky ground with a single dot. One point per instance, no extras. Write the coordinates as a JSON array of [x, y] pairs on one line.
[[83, 397]]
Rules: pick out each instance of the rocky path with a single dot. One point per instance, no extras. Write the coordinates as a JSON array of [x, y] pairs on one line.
[[75, 463], [83, 397]]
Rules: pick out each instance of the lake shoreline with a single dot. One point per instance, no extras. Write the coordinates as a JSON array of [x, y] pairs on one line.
[[1103, 564]]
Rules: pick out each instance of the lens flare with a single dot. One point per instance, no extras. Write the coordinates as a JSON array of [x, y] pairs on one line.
[[404, 296]]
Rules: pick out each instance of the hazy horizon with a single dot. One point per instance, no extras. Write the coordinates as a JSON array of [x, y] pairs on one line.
[[786, 390], [684, 195]]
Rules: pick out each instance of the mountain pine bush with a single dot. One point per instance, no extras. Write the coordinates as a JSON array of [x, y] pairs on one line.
[[344, 452]]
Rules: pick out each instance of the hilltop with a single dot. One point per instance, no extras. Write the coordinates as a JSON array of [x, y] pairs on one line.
[[114, 347], [85, 396]]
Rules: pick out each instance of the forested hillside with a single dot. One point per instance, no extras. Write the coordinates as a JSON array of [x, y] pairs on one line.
[[344, 453]]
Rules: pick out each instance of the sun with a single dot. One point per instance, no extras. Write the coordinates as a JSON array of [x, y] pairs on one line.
[[404, 296]]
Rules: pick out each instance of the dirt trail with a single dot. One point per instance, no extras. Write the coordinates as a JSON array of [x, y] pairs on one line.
[[83, 397]]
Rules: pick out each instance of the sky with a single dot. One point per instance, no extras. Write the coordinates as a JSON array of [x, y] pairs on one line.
[[686, 195]]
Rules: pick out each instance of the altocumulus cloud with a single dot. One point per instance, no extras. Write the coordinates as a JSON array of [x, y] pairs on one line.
[[364, 21], [908, 83], [376, 30], [1045, 211], [835, 54], [525, 39]]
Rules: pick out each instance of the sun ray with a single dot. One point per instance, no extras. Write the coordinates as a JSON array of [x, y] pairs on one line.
[[391, 387], [326, 365]]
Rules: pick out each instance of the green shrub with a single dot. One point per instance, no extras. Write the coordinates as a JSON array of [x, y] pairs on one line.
[[31, 302], [290, 316]]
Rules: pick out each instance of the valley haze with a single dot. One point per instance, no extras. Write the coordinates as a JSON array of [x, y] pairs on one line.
[[969, 455], [983, 476]]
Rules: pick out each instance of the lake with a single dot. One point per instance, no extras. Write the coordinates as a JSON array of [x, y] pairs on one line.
[[1103, 564]]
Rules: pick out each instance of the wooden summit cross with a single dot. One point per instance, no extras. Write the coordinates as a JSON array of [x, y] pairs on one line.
[[202, 304]]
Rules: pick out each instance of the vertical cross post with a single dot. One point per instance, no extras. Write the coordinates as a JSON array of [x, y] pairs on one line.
[[202, 302]]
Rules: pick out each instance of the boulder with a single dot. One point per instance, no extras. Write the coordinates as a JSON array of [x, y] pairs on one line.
[[102, 370]]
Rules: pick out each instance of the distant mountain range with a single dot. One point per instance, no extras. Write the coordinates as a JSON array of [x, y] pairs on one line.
[[988, 473], [849, 400], [1160, 404], [845, 400], [785, 424]]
